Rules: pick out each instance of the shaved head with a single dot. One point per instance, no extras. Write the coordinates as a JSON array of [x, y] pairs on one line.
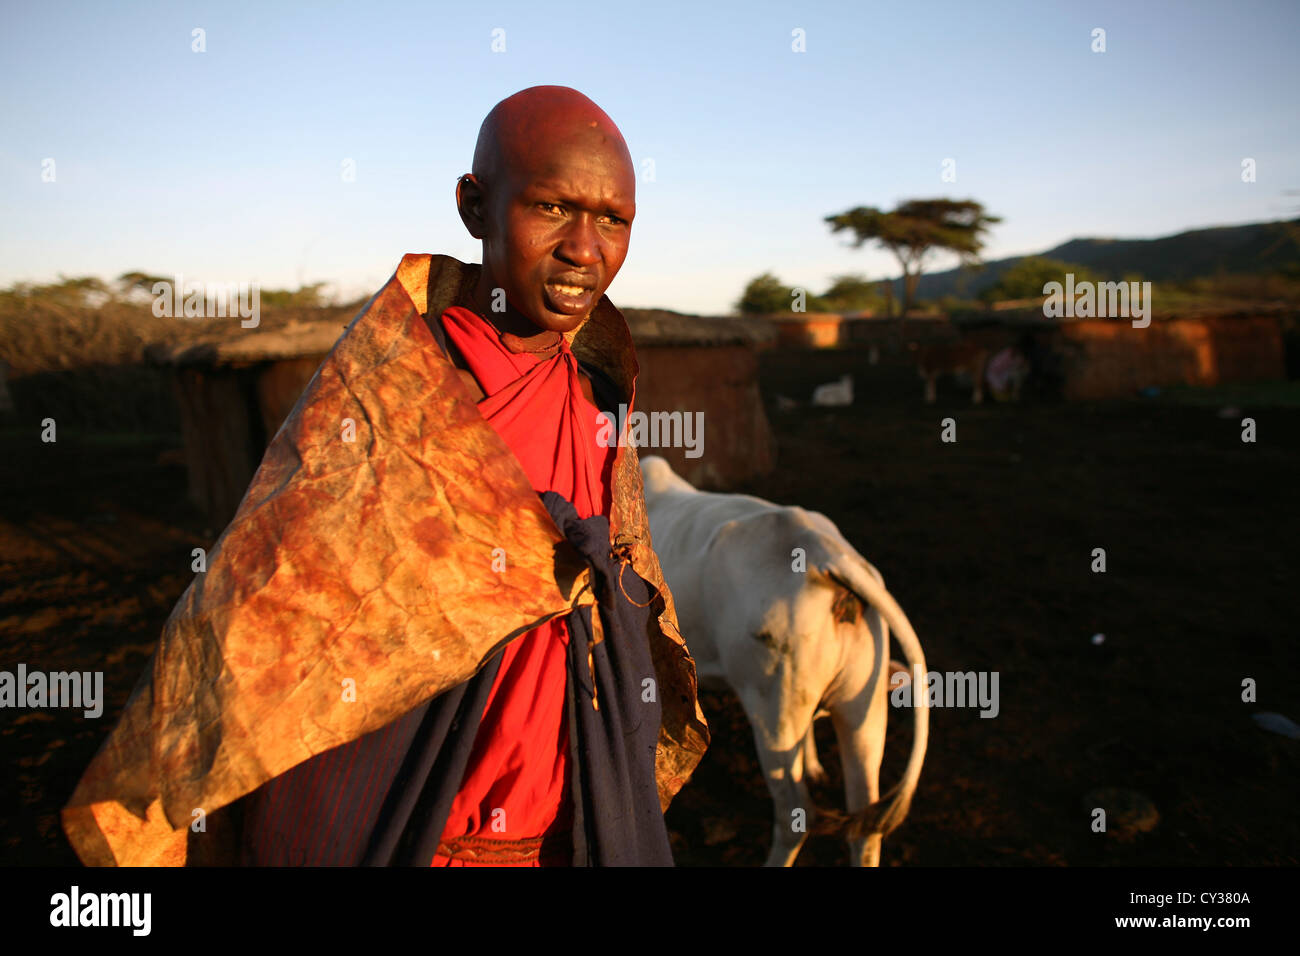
[[536, 115], [552, 196]]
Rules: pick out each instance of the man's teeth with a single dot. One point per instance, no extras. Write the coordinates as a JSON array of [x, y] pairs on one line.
[[573, 291]]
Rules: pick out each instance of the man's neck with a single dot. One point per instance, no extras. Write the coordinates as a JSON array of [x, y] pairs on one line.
[[516, 323]]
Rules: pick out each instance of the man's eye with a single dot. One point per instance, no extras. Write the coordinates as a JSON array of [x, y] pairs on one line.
[[550, 206]]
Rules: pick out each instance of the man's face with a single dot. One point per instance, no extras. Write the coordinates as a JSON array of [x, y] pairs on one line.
[[557, 222]]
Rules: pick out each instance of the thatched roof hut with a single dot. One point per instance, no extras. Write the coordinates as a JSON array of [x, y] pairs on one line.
[[235, 389]]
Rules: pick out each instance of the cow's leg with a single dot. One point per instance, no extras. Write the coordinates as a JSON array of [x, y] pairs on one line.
[[780, 730], [812, 767], [860, 722]]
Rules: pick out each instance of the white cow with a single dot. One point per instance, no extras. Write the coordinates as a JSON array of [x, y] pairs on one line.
[[775, 602]]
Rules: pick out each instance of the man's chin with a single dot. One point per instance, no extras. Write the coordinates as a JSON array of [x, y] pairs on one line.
[[561, 323], [548, 321], [563, 316], [564, 306]]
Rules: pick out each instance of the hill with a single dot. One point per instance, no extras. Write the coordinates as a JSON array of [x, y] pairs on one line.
[[1252, 249]]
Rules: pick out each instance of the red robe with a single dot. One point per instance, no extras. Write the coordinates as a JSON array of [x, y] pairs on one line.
[[516, 786]]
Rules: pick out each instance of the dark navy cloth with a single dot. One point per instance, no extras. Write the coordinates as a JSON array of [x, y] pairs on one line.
[[622, 822], [384, 799]]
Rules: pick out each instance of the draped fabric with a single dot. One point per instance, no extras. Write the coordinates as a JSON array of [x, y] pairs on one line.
[[517, 783], [538, 408], [615, 706], [490, 765], [317, 690]]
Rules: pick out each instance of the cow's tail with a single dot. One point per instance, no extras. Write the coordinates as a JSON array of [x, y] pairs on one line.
[[891, 809]]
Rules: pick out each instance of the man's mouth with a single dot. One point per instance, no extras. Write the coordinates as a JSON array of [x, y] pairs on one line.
[[570, 297], [573, 291]]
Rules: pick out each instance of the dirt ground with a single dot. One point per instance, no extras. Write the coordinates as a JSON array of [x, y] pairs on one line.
[[986, 544]]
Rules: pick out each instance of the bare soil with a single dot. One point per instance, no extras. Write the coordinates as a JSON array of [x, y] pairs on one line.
[[985, 542]]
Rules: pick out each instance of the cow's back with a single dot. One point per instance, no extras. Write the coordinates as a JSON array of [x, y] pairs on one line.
[[684, 529], [731, 563]]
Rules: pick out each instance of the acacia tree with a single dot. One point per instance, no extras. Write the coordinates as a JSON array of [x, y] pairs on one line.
[[916, 228]]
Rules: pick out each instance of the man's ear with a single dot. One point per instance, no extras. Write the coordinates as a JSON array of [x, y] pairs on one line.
[[471, 203]]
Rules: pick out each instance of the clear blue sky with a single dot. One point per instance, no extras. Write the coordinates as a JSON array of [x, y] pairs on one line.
[[226, 165]]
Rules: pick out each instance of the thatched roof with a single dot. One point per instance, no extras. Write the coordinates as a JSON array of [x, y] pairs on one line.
[[296, 339], [304, 338], [664, 327]]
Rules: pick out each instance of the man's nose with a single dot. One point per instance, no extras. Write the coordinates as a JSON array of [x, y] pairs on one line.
[[581, 242]]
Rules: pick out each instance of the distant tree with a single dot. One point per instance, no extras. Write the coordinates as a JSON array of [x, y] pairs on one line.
[[768, 295], [765, 294], [916, 228], [1288, 234], [143, 281], [82, 285], [1025, 279], [74, 292], [304, 297], [309, 296], [852, 292]]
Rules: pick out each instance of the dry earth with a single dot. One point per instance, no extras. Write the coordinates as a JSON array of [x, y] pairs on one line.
[[986, 544]]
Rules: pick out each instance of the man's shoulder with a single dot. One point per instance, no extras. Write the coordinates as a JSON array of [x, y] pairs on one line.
[[434, 281]]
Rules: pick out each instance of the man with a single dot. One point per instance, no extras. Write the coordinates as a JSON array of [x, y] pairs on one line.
[[400, 654]]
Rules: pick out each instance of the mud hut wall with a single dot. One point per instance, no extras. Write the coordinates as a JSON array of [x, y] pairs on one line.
[[1108, 358], [230, 414], [721, 381], [809, 331], [223, 441], [279, 386], [893, 334]]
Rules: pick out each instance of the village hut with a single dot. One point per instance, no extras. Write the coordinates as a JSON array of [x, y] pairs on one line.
[[816, 330], [697, 393], [707, 367], [1111, 358]]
